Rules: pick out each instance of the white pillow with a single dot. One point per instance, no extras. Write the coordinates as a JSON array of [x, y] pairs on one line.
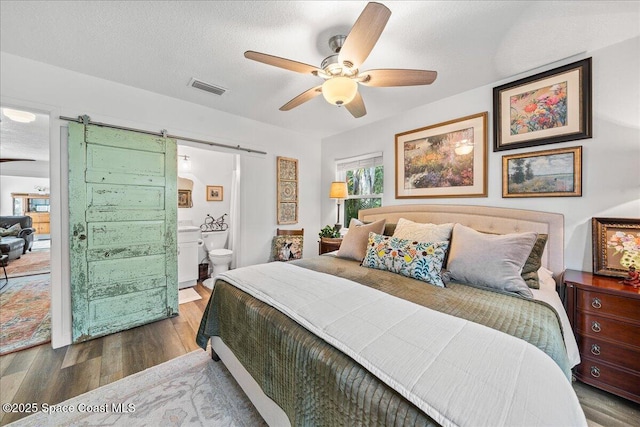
[[354, 243], [422, 232], [490, 260]]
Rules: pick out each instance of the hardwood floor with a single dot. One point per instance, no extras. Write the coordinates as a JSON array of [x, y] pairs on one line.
[[42, 374]]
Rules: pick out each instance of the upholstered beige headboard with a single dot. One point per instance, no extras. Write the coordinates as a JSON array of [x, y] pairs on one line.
[[486, 219]]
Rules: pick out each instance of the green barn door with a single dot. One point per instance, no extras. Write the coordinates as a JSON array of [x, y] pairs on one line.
[[122, 225]]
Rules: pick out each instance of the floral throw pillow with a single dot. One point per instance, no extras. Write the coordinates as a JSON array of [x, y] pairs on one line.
[[286, 248], [419, 260]]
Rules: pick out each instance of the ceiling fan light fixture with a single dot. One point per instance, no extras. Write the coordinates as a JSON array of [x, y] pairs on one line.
[[339, 90], [18, 115]]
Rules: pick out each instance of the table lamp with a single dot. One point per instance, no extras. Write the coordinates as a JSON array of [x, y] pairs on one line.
[[338, 191]]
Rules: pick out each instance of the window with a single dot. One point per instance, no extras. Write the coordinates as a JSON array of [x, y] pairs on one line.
[[365, 181]]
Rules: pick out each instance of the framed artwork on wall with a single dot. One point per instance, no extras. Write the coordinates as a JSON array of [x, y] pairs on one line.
[[443, 160], [616, 245], [548, 173], [214, 193], [546, 108], [184, 199], [287, 190]]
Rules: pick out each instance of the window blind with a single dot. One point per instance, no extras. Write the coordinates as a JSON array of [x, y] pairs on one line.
[[365, 161]]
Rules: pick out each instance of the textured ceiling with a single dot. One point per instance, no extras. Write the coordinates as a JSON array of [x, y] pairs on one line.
[[160, 45]]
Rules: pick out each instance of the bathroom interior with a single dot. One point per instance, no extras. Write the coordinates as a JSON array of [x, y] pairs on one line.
[[206, 194]]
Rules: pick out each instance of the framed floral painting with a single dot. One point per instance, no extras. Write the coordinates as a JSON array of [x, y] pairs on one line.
[[549, 107], [616, 245], [443, 160]]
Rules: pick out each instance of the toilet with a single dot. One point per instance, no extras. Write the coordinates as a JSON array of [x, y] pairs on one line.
[[220, 258]]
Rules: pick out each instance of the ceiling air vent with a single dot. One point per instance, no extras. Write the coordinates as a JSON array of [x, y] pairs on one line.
[[199, 84]]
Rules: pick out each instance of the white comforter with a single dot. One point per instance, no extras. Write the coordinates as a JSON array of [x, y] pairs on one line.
[[458, 372]]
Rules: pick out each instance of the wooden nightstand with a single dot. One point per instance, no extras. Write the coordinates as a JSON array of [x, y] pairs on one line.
[[605, 316], [328, 244]]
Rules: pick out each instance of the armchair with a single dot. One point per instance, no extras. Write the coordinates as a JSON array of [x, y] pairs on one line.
[[26, 233]]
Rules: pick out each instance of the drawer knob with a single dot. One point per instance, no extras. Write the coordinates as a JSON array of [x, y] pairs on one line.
[[596, 303], [595, 371], [595, 349], [595, 326]]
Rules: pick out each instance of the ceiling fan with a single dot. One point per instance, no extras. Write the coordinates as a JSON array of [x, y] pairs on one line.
[[340, 70]]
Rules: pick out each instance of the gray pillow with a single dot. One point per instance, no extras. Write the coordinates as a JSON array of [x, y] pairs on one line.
[[354, 243], [490, 260]]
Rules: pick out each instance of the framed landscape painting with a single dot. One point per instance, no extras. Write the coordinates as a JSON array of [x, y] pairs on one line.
[[549, 173], [549, 107], [616, 245], [443, 160]]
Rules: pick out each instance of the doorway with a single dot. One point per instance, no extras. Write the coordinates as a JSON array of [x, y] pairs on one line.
[[25, 311]]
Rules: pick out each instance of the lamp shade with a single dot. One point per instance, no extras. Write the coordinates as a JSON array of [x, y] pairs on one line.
[[339, 90], [338, 190]]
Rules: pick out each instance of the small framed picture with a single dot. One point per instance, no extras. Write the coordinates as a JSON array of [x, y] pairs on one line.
[[184, 199], [548, 173], [616, 245], [546, 108], [214, 193]]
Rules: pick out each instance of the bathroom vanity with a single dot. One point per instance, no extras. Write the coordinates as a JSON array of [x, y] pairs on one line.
[[188, 238]]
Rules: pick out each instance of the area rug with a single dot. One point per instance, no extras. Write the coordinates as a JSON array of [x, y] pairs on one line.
[[189, 390], [31, 263], [25, 315], [188, 295]]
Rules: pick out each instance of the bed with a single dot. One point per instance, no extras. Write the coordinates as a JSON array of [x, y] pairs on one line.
[[327, 341]]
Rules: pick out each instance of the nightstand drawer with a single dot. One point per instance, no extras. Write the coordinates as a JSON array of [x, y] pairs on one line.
[[593, 370], [603, 351], [612, 330], [597, 302]]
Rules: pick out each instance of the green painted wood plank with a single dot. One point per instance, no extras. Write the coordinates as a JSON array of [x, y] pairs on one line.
[[113, 214], [125, 139], [115, 270], [125, 197], [124, 233], [104, 290], [122, 311], [119, 252], [124, 161], [105, 177], [77, 229]]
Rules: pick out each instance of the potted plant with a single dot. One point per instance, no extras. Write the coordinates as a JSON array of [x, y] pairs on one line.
[[329, 232]]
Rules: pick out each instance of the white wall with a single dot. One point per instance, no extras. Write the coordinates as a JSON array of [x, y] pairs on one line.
[[611, 159], [61, 92], [17, 184]]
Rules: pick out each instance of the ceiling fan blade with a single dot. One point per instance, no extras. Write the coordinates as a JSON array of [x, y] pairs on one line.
[[16, 160], [302, 98], [356, 107], [364, 34], [398, 77], [287, 64]]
